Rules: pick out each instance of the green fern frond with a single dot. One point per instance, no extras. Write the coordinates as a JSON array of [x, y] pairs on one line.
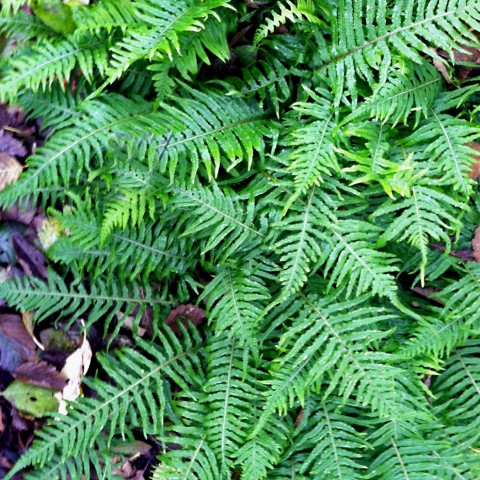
[[300, 246], [352, 260], [201, 464], [456, 391], [105, 15], [24, 27], [409, 91], [148, 249], [11, 6], [160, 32], [228, 400], [128, 208], [311, 143], [425, 216], [330, 440], [219, 219], [135, 391], [268, 81], [195, 50], [235, 300], [230, 130], [420, 459], [261, 452], [56, 107], [287, 11], [368, 38], [39, 66], [328, 336], [461, 297], [442, 143], [98, 301]]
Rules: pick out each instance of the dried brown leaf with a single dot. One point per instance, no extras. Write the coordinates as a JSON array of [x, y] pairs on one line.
[[40, 374], [191, 312], [476, 245], [10, 170]]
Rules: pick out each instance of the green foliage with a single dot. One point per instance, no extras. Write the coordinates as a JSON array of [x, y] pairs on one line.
[[301, 170]]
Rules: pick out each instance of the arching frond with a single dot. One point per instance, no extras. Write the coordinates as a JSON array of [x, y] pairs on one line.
[[106, 14], [457, 391], [323, 337], [98, 301], [367, 38], [39, 66], [134, 391], [425, 216], [159, 32], [236, 298]]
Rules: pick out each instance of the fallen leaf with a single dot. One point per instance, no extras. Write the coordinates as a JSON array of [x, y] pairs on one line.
[[11, 146], [32, 260], [7, 252], [40, 374], [440, 66], [76, 366], [475, 168], [16, 345], [25, 214], [428, 293], [191, 312], [49, 232], [30, 399], [27, 319], [10, 170], [476, 245]]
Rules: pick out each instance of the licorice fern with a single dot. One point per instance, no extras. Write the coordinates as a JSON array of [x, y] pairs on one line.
[[300, 169]]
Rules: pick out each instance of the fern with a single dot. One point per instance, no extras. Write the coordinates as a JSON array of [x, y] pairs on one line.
[[159, 33], [48, 62], [369, 48], [54, 298], [303, 173], [137, 392]]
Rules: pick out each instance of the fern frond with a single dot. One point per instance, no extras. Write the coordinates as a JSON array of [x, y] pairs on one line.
[[216, 218], [159, 34], [331, 336], [268, 81], [368, 38], [425, 216], [106, 14], [135, 391], [261, 452], [133, 252], [11, 6], [235, 299], [456, 391], [442, 143], [228, 396], [409, 91], [39, 66], [461, 297], [420, 459], [24, 27], [128, 208], [287, 11], [56, 107], [201, 464], [311, 143], [99, 301], [330, 441], [300, 246], [231, 130], [352, 260]]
